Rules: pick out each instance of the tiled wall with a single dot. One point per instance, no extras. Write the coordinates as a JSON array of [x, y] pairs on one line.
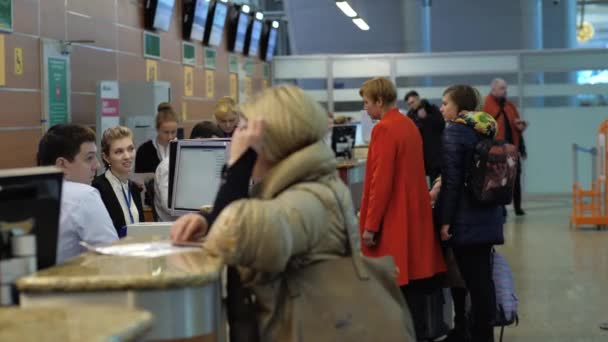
[[117, 28]]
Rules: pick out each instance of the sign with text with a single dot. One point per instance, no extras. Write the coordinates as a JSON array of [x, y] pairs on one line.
[[234, 87], [151, 45], [210, 83], [18, 62], [58, 91], [109, 98], [188, 81], [188, 54], [6, 15], [210, 58], [151, 70], [233, 64]]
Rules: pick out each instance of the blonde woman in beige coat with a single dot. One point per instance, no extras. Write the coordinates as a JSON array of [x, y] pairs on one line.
[[297, 206]]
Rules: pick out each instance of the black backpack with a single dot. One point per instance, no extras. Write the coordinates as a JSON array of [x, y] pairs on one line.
[[492, 173]]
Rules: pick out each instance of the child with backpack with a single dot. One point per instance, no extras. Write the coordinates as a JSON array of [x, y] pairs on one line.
[[469, 205]]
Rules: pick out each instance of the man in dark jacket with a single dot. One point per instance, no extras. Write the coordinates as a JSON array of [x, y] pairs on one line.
[[430, 122]]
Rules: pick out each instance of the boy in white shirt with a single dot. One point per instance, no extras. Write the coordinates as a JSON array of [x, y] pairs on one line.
[[83, 217]]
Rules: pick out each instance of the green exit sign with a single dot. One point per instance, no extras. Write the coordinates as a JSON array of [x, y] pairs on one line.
[[151, 45]]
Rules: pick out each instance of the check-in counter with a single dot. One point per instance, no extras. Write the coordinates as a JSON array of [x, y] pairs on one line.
[[181, 291], [73, 324]]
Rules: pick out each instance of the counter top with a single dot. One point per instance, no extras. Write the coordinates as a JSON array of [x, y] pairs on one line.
[[67, 324], [351, 163], [93, 272]]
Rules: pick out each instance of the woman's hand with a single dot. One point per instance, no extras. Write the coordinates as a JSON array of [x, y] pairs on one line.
[[369, 238], [434, 193], [190, 227], [247, 134], [445, 235]]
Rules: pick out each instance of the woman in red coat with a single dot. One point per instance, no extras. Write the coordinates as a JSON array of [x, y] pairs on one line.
[[396, 217]]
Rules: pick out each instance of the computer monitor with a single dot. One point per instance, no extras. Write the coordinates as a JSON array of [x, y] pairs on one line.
[[32, 196], [158, 14], [195, 19], [343, 140], [239, 18], [254, 33], [216, 19], [195, 173]]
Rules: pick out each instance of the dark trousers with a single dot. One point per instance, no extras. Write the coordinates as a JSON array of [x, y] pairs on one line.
[[475, 264], [517, 189]]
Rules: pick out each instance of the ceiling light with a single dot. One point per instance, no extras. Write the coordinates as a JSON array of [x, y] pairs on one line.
[[259, 16], [361, 24], [346, 9], [275, 24], [246, 8]]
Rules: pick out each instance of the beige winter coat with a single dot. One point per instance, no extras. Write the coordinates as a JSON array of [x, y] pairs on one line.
[[285, 217]]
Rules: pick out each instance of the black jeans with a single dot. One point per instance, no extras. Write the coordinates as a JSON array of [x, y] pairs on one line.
[[517, 189], [475, 263]]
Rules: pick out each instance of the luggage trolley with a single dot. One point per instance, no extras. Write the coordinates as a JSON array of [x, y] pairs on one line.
[[590, 206]]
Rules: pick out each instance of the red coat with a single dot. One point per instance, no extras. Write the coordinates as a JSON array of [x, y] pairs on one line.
[[492, 107], [396, 201]]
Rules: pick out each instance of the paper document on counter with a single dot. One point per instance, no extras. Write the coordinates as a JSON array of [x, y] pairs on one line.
[[145, 249]]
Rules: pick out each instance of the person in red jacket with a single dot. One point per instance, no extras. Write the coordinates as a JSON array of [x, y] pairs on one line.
[[510, 129], [396, 218]]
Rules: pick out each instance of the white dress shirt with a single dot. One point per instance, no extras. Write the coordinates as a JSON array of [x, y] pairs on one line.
[[161, 192], [123, 194], [161, 151], [83, 217]]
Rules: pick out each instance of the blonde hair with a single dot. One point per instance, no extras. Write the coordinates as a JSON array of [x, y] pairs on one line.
[[379, 88], [112, 134], [224, 107], [292, 120], [165, 114]]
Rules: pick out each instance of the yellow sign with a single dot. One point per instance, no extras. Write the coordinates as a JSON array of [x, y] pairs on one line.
[[188, 81], [210, 83], [234, 87], [2, 62], [18, 61], [248, 87], [184, 111], [264, 84], [151, 70]]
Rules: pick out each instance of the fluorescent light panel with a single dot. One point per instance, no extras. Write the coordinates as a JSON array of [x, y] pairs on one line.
[[346, 9], [361, 24]]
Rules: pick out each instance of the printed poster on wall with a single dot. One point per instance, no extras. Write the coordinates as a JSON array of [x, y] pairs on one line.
[[234, 87], [210, 83], [188, 81], [151, 70], [58, 91], [18, 61]]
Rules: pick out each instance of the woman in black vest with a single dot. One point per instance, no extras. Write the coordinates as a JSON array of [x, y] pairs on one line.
[[152, 152], [121, 196]]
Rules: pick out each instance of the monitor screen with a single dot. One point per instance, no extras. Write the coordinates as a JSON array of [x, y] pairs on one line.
[[200, 19], [241, 32], [217, 27], [163, 14], [272, 43], [197, 173], [256, 33], [32, 197], [343, 140]]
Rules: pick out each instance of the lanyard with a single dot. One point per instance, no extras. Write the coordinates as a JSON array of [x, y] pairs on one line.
[[127, 198]]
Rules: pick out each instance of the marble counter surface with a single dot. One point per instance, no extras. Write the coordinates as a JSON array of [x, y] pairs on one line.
[[351, 163], [72, 324], [94, 272]]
